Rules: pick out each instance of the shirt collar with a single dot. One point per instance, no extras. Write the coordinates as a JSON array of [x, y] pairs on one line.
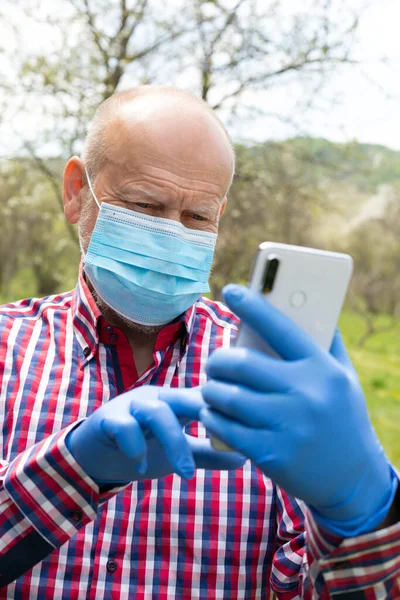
[[88, 322], [85, 317]]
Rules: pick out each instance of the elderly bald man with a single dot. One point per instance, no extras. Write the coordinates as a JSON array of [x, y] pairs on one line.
[[103, 495]]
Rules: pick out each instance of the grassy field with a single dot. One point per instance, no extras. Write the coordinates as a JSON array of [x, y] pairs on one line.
[[378, 366]]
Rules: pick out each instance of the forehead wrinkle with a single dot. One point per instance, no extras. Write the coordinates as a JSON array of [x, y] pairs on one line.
[[183, 163], [199, 172], [178, 187]]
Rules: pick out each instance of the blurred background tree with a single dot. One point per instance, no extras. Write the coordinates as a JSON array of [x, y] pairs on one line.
[[375, 247]]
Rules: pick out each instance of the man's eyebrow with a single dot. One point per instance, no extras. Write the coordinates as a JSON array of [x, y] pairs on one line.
[[204, 210], [138, 191]]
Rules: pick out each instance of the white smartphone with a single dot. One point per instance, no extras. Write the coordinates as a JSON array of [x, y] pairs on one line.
[[306, 284]]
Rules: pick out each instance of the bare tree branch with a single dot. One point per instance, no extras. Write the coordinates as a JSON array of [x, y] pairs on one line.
[[92, 26], [139, 14], [207, 62], [247, 83]]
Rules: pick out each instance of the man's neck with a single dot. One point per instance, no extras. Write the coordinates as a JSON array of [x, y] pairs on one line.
[[141, 342]]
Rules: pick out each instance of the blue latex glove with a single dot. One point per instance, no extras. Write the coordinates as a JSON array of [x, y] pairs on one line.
[[138, 436], [302, 420]]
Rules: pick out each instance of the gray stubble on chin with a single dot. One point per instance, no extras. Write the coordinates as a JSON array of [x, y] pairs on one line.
[[122, 322]]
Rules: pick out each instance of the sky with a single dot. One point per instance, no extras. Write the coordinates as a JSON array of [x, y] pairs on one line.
[[360, 102], [363, 101]]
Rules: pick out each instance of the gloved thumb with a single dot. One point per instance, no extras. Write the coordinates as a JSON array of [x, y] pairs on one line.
[[206, 457]]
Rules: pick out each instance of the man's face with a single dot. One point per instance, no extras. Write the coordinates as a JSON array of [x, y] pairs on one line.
[[174, 164]]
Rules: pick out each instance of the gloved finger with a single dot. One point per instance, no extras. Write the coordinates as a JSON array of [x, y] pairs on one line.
[[285, 337], [339, 352], [245, 405], [206, 457], [158, 417], [235, 435], [127, 435], [182, 420], [185, 402], [250, 368]]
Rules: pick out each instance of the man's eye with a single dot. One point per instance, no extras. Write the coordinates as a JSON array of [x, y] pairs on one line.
[[198, 217], [143, 204]]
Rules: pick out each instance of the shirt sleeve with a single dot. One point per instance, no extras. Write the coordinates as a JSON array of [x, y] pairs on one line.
[[309, 563], [45, 499]]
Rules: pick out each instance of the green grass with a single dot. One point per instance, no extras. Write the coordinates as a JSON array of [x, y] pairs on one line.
[[378, 367]]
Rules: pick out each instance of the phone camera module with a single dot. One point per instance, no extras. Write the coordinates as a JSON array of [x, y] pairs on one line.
[[271, 270]]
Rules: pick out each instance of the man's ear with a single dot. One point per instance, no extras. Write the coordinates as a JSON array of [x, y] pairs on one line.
[[223, 206], [74, 181]]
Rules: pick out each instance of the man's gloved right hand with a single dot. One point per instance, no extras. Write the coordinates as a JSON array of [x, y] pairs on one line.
[[138, 436], [302, 420]]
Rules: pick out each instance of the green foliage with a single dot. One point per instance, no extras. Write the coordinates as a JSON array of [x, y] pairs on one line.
[[38, 256], [365, 166], [378, 367]]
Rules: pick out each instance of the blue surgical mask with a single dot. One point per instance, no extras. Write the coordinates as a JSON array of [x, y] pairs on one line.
[[147, 269]]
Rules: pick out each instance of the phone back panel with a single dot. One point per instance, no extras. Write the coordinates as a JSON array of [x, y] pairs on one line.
[[310, 287]]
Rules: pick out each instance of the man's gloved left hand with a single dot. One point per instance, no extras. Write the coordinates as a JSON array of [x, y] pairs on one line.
[[302, 420], [138, 435]]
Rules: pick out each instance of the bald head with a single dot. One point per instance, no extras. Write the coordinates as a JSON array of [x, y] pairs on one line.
[[135, 112]]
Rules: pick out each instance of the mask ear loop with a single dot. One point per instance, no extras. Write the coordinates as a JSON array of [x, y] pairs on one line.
[[91, 189]]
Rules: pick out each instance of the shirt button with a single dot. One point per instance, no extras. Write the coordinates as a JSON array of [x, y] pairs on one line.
[[111, 565], [86, 351], [112, 337], [342, 564], [76, 515], [108, 329]]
